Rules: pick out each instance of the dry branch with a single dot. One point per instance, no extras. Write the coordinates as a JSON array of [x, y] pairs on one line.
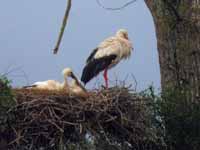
[[62, 29], [116, 8]]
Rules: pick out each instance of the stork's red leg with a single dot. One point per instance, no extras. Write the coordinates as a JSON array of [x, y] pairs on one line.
[[105, 77]]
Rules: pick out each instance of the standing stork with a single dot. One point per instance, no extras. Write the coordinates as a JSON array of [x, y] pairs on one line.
[[109, 53]]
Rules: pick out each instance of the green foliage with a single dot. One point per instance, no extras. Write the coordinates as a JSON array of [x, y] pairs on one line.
[[176, 117], [6, 96], [6, 102], [154, 114], [181, 119]]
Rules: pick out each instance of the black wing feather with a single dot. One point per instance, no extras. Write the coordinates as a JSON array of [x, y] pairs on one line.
[[92, 55], [95, 66]]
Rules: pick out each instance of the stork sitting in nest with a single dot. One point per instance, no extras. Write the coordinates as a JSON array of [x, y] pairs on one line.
[[74, 87], [52, 84]]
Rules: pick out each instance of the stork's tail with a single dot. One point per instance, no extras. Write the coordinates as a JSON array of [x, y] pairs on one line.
[[95, 66]]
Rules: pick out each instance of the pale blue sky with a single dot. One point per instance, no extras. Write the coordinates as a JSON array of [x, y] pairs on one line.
[[29, 30]]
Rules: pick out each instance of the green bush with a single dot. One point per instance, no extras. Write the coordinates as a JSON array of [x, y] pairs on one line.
[[6, 96], [181, 119], [6, 102], [176, 118]]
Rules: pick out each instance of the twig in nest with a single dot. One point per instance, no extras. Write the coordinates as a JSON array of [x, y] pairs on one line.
[[62, 29], [18, 137], [111, 119], [104, 133], [57, 126]]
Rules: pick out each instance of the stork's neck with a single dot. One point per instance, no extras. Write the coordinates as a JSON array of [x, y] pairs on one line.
[[127, 47], [78, 84], [126, 41], [65, 84]]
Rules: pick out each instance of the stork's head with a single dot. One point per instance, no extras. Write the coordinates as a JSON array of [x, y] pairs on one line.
[[67, 72], [123, 33]]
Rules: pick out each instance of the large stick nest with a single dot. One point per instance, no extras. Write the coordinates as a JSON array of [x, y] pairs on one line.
[[48, 119]]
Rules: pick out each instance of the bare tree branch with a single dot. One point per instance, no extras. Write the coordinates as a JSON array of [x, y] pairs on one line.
[[62, 29], [117, 8]]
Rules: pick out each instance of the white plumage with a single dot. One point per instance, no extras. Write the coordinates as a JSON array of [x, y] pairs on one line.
[[74, 87], [52, 84], [118, 45], [109, 53]]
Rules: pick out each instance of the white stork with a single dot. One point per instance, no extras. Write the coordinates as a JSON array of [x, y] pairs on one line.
[[52, 84], [107, 55]]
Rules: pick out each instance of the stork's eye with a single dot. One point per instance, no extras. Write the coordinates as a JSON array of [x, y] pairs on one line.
[[125, 35]]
